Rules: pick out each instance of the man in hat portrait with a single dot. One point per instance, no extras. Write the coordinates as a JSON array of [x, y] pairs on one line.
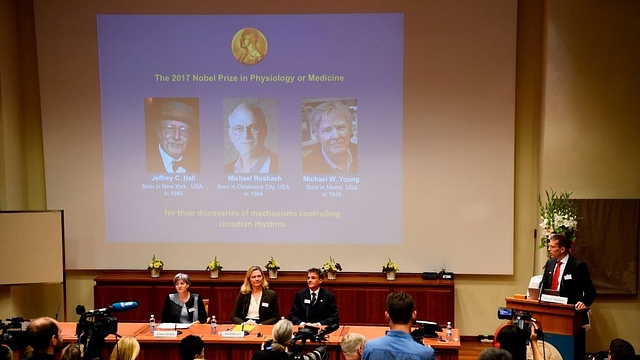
[[172, 136]]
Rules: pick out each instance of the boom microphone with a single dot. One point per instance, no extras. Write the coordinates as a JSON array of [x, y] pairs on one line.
[[115, 307]]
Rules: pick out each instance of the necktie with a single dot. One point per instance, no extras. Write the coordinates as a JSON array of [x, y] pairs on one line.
[[313, 299], [175, 165], [556, 276]]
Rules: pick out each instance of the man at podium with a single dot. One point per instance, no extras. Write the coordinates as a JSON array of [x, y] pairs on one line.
[[566, 274]]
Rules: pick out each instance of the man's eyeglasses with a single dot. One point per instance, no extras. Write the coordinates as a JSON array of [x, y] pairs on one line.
[[239, 129], [168, 130]]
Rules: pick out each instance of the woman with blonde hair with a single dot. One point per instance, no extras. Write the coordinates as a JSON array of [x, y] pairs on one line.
[[127, 348], [256, 304]]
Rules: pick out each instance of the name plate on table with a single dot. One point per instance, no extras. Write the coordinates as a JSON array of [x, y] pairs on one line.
[[554, 299], [232, 334], [165, 333]]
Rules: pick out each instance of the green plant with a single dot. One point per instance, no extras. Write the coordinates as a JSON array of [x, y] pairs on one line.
[[390, 266], [558, 215], [272, 264], [214, 265], [331, 266], [155, 263]]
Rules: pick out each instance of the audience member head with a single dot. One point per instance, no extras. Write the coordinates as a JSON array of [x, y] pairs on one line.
[[282, 333], [45, 336], [495, 354], [254, 276], [511, 339], [400, 308], [73, 351], [127, 348], [192, 347], [621, 350], [352, 345]]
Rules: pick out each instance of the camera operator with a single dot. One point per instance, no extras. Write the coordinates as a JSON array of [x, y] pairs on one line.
[[277, 348], [512, 339], [45, 337], [621, 350]]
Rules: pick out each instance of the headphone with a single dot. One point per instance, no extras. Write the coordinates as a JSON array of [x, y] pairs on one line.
[[496, 343]]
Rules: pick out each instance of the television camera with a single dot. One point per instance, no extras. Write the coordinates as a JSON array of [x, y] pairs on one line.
[[424, 329], [523, 320], [12, 336], [95, 325], [312, 334]]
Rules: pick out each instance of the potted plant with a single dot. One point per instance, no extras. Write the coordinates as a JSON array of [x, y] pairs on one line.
[[272, 266], [155, 266], [558, 215], [214, 268], [331, 267], [390, 268]]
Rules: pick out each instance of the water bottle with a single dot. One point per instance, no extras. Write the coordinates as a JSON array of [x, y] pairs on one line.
[[214, 325], [152, 324], [449, 331]]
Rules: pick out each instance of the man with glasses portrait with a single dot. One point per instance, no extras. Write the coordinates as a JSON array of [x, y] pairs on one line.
[[176, 126], [247, 130]]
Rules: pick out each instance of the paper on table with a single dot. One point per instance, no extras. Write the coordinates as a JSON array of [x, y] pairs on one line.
[[170, 326]]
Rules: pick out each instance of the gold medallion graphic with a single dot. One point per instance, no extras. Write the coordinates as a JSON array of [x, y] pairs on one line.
[[249, 46]]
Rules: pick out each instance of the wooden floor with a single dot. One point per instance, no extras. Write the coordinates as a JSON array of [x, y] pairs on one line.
[[469, 350]]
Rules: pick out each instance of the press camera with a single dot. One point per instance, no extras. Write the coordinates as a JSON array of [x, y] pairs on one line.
[[523, 320]]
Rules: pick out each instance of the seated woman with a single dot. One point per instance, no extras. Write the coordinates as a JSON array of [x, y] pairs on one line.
[[127, 348], [183, 306], [282, 335], [256, 304]]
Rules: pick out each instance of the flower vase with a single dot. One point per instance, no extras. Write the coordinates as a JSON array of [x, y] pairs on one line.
[[331, 275], [391, 275], [155, 273], [273, 273], [214, 273]]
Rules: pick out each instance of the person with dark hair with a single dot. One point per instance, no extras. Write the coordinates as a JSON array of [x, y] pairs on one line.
[[314, 306], [398, 344], [256, 303], [511, 339], [183, 306], [247, 131], [495, 354], [192, 347], [568, 275], [44, 335], [621, 350]]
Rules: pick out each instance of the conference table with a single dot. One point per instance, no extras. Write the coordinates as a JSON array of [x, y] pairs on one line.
[[222, 348]]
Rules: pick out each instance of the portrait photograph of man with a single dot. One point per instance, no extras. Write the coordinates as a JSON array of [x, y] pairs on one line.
[[333, 146], [173, 144], [251, 133]]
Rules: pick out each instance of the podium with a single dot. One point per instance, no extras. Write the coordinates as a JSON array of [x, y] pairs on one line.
[[561, 324]]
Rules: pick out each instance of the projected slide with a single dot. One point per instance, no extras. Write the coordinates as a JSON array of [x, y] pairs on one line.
[[252, 129]]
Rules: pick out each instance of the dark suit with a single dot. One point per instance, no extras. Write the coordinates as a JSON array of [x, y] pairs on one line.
[[269, 315], [575, 283], [313, 161], [325, 311], [229, 167], [171, 310]]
